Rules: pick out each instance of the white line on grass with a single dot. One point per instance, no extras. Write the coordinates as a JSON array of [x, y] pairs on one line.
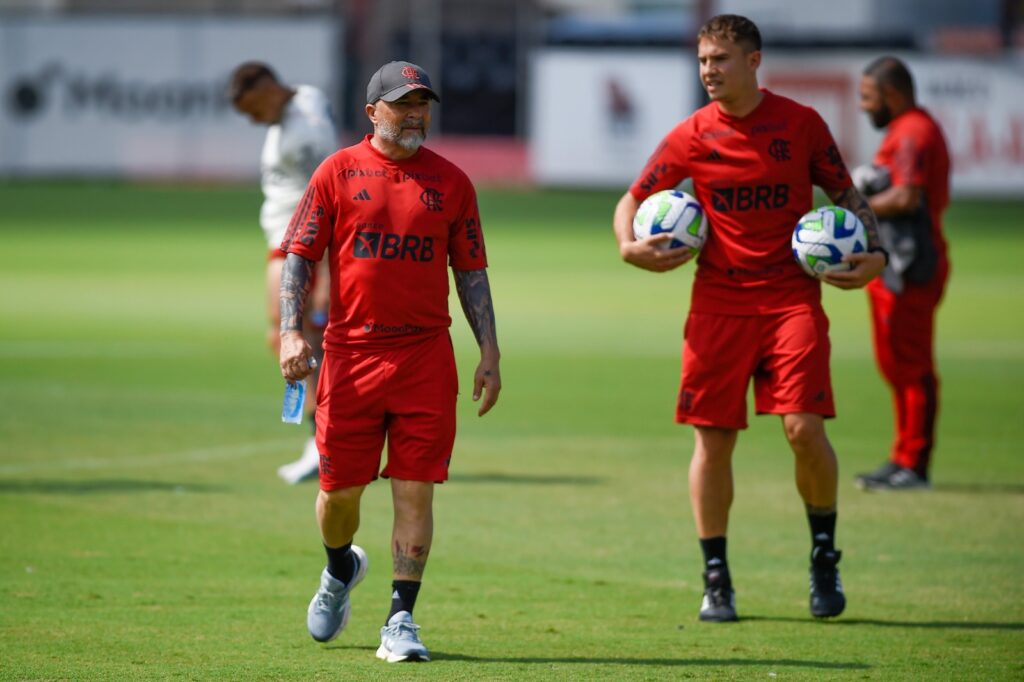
[[222, 452], [41, 350]]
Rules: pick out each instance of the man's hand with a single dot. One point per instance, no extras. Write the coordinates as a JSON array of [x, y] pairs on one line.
[[648, 254], [295, 356], [486, 383], [865, 267]]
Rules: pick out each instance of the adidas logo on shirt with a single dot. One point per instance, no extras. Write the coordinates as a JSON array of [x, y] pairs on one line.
[[362, 196], [713, 156]]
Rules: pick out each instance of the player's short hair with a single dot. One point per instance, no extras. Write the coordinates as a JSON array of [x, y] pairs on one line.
[[892, 72], [247, 76], [733, 27]]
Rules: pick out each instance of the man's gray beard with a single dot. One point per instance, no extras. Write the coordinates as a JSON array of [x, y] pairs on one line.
[[393, 134]]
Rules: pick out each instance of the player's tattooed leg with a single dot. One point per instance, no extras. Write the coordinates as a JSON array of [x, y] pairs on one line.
[[410, 560]]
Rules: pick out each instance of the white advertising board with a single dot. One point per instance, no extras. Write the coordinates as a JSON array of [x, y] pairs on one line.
[[976, 102], [139, 97], [595, 116]]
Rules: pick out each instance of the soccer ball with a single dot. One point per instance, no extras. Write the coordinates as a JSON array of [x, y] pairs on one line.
[[824, 236], [674, 212]]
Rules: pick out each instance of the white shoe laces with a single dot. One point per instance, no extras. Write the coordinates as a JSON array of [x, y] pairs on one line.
[[325, 600], [403, 631]]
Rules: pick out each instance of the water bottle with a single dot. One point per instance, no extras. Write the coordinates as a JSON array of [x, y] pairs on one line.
[[295, 398]]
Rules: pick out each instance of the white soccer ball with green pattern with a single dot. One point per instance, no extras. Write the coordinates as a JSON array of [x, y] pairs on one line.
[[824, 236], [676, 213]]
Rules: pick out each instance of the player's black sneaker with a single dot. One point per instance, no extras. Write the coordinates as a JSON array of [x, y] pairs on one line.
[[867, 479], [719, 604], [827, 598], [897, 478]]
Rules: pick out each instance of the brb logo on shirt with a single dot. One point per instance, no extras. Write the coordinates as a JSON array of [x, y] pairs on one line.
[[750, 197], [391, 246]]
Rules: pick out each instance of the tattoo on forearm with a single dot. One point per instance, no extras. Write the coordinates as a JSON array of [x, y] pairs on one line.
[[853, 200], [410, 560], [295, 279], [475, 295]]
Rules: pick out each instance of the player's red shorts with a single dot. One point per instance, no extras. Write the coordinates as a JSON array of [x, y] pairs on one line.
[[787, 354], [276, 254], [405, 394]]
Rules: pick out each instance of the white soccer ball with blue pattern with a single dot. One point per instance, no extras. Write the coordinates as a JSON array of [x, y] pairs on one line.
[[676, 213], [824, 236]]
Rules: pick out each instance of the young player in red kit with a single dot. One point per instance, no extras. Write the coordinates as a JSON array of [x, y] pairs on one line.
[[753, 157], [392, 216], [909, 197]]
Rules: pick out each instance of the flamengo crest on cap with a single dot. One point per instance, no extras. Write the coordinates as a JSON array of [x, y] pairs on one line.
[[410, 73]]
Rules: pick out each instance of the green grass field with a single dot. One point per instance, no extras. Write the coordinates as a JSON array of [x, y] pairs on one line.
[[146, 536]]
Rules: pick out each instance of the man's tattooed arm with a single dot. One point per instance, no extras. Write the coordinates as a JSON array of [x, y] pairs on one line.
[[475, 295], [853, 200], [295, 280], [864, 266]]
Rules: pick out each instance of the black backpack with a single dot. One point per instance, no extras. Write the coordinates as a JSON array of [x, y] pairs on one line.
[[908, 239]]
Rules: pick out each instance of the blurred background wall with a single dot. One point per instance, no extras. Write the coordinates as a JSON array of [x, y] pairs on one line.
[[549, 92]]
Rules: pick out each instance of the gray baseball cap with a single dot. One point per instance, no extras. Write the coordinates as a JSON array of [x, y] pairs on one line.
[[394, 79]]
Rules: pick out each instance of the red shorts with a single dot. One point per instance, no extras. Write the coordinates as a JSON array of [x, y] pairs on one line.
[[406, 395], [786, 353], [276, 254]]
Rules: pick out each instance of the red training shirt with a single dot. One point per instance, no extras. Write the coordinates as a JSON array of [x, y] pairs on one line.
[[754, 177], [390, 229], [914, 150]]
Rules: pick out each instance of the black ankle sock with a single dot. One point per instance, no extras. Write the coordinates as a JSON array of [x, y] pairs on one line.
[[403, 596], [823, 529], [340, 563], [714, 556]]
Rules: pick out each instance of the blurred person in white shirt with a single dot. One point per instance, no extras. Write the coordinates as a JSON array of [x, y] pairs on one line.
[[300, 134]]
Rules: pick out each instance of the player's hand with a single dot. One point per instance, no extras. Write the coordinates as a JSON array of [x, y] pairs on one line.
[[649, 254], [296, 356], [486, 384], [865, 266]]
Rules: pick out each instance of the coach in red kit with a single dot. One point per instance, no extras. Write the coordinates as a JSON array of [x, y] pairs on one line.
[[391, 215], [908, 191], [753, 156]]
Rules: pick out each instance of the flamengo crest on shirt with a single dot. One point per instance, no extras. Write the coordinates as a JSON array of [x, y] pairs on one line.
[[432, 199], [779, 149]]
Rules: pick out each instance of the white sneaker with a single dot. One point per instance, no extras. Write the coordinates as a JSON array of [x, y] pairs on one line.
[[329, 610], [399, 641], [305, 467]]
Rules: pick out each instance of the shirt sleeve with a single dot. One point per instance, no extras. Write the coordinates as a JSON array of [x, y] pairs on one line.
[[828, 170], [466, 249], [307, 146], [312, 223], [667, 166], [908, 161]]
